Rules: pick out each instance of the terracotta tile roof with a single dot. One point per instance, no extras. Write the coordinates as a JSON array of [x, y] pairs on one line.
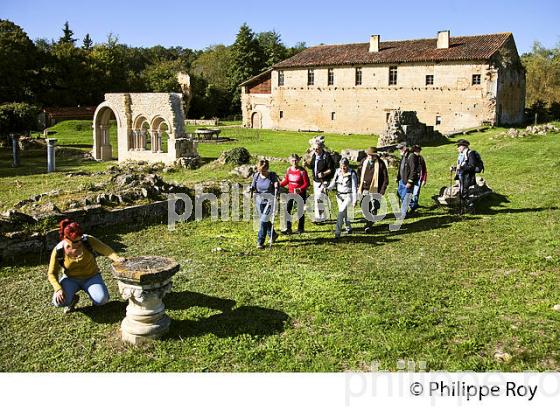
[[480, 47]]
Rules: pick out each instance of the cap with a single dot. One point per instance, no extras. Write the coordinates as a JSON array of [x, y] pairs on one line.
[[463, 142], [344, 161], [401, 145], [371, 151], [416, 148]]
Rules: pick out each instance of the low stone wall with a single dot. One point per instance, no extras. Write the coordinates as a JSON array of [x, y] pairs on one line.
[[19, 243], [213, 121]]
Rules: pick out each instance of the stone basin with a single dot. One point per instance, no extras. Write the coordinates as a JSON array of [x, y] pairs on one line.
[[144, 281], [145, 270]]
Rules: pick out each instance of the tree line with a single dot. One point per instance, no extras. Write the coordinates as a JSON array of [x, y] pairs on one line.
[[70, 72]]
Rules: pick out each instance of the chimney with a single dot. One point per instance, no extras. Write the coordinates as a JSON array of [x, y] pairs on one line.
[[443, 39], [374, 43]]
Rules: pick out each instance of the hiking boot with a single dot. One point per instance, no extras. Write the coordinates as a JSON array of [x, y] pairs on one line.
[[348, 231], [299, 231], [72, 306], [274, 236], [286, 232], [260, 246]]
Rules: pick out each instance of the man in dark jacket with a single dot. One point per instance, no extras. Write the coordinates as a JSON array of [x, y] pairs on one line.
[[467, 167], [374, 179], [407, 176], [323, 168]]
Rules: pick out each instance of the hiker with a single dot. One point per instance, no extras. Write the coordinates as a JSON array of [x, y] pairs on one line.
[[75, 254], [468, 164], [422, 177], [322, 165], [265, 182], [345, 181], [374, 179], [407, 176], [298, 181]]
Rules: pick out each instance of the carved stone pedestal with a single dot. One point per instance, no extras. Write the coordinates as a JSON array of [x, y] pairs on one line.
[[144, 281]]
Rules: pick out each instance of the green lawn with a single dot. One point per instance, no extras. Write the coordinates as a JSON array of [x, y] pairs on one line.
[[450, 290]]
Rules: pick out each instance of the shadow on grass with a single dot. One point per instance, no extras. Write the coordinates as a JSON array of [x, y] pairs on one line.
[[381, 233], [232, 321], [112, 312], [34, 162]]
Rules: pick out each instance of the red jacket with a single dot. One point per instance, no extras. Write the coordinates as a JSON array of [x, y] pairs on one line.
[[296, 179]]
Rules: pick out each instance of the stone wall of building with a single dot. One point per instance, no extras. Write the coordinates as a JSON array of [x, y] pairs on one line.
[[451, 104]]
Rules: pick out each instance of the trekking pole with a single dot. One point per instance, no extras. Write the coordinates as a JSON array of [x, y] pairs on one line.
[[273, 215]]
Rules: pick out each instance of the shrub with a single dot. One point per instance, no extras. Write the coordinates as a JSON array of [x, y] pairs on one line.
[[238, 156], [17, 118]]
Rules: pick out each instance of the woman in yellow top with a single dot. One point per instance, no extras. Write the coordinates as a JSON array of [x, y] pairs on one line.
[[75, 254]]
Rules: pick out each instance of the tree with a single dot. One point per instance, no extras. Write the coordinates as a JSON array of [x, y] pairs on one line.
[[248, 61], [272, 46], [67, 36], [542, 67], [17, 118], [162, 76], [17, 63], [87, 42]]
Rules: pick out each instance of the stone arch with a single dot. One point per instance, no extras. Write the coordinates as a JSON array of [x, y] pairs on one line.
[[139, 139], [102, 148], [161, 133], [256, 120]]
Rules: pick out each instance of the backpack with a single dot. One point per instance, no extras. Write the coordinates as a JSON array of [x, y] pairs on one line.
[[478, 163], [60, 251]]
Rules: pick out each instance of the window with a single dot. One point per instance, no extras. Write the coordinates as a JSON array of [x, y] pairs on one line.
[[358, 75], [310, 77], [281, 114], [330, 76], [430, 79], [438, 120], [476, 79], [333, 116], [392, 75], [280, 78]]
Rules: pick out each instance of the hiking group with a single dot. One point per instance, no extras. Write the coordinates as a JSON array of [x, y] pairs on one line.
[[364, 186], [76, 252]]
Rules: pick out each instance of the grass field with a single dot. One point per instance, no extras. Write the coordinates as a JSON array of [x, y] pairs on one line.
[[450, 290]]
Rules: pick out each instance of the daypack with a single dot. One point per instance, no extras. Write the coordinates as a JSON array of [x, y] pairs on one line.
[[478, 163], [60, 250]]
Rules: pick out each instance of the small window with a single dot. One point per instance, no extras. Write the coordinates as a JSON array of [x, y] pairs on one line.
[[392, 75], [429, 79], [330, 74], [333, 116], [281, 114], [310, 77], [438, 120], [476, 79], [280, 78], [358, 75]]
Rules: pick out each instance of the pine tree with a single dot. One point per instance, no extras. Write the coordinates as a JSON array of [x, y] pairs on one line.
[[248, 61], [87, 42], [67, 37]]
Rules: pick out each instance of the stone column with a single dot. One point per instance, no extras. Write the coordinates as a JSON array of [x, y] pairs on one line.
[[15, 150], [143, 140], [106, 149], [144, 281], [51, 166], [159, 147]]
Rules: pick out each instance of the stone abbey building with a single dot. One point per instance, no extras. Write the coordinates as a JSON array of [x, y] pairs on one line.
[[452, 83]]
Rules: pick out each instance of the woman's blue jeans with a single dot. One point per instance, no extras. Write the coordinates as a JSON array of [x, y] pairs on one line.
[[93, 286]]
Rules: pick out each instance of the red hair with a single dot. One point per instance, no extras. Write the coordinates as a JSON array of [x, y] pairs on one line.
[[67, 228]]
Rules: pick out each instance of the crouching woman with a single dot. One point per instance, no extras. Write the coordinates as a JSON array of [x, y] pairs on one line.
[[75, 255]]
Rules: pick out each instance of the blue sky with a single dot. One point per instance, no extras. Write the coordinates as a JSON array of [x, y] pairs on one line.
[[198, 24]]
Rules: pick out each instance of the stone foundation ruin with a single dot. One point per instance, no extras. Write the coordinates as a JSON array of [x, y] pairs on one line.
[[404, 126]]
